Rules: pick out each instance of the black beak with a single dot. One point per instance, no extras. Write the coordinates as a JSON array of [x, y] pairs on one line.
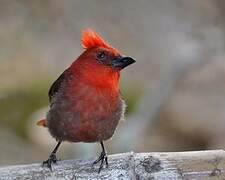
[[122, 62]]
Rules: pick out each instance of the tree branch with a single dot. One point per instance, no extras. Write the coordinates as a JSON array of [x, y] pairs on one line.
[[174, 165]]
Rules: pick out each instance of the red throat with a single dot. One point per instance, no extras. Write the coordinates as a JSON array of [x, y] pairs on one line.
[[99, 76]]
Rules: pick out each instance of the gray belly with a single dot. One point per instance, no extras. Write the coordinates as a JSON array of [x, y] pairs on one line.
[[66, 122]]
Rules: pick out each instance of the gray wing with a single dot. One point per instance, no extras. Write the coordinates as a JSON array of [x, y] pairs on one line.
[[56, 86]]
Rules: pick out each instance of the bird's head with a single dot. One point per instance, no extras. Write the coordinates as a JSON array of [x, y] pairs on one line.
[[100, 61]]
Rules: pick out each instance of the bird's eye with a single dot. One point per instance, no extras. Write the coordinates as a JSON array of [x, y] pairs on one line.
[[101, 55]]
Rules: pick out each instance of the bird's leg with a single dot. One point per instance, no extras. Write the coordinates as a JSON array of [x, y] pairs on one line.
[[103, 157], [52, 158]]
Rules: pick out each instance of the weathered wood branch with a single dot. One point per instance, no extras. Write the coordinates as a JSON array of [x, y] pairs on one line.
[[174, 165]]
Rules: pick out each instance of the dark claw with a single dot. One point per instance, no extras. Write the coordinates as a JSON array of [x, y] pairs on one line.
[[103, 157], [52, 159]]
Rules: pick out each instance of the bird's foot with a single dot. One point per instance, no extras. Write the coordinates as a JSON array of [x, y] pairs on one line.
[[52, 159], [103, 158]]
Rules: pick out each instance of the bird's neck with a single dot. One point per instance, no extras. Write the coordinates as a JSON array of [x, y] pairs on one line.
[[99, 77]]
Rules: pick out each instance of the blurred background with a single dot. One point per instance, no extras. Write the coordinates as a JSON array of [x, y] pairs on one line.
[[175, 92]]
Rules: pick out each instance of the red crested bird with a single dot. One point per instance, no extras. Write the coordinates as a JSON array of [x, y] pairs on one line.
[[85, 101]]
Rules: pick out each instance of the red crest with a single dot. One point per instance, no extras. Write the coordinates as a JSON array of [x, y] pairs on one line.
[[90, 39]]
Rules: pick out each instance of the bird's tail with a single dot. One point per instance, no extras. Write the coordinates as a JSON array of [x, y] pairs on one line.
[[42, 122]]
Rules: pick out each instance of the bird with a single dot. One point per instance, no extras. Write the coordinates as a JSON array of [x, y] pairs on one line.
[[85, 101]]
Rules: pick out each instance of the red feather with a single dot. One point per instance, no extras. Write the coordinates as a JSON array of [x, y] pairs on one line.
[[42, 122], [90, 39]]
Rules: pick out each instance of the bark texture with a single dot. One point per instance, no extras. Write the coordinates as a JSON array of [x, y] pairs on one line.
[[173, 165]]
